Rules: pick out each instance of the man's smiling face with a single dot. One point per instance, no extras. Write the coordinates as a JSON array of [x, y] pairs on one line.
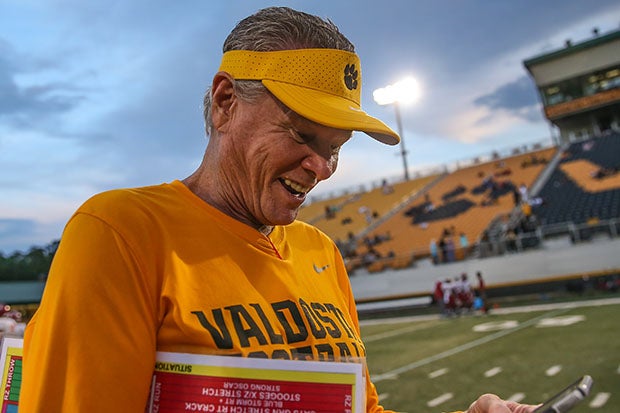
[[273, 158]]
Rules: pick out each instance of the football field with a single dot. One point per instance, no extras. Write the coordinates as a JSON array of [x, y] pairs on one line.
[[431, 364]]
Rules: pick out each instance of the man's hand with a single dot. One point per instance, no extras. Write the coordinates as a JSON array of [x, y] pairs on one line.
[[490, 403]]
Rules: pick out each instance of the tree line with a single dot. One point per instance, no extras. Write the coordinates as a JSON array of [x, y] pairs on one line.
[[33, 265]]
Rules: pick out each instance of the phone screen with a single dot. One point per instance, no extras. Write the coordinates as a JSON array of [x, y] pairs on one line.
[[567, 398]]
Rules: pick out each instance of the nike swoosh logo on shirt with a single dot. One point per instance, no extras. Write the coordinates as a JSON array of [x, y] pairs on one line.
[[320, 269]]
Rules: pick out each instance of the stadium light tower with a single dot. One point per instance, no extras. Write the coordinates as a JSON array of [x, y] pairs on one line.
[[404, 91]]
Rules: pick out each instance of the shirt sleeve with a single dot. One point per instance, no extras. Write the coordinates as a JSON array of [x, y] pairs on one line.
[[91, 345]]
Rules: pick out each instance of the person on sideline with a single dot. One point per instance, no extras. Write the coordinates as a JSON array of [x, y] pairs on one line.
[[481, 292], [173, 267]]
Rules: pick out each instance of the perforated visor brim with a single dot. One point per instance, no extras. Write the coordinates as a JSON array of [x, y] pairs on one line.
[[330, 110]]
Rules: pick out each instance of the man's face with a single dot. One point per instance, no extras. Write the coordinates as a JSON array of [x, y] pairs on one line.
[[272, 159]]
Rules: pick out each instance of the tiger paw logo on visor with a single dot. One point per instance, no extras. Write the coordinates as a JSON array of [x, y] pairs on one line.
[[350, 76]]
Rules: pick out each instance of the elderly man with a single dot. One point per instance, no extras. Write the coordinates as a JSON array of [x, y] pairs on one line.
[[215, 264]]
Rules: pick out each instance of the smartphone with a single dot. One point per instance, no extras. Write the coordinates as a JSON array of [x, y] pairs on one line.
[[567, 398]]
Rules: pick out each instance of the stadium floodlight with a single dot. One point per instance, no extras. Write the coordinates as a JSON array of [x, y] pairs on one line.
[[404, 91]]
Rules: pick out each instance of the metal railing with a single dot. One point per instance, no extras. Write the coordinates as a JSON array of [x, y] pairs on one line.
[[576, 233], [540, 238]]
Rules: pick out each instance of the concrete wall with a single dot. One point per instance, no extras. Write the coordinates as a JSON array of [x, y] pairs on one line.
[[555, 258], [23, 292]]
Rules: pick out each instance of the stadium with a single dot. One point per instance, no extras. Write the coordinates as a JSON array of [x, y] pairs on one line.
[[540, 223], [546, 212], [554, 245]]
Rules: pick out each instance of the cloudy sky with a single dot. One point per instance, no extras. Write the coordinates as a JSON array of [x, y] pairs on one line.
[[100, 94]]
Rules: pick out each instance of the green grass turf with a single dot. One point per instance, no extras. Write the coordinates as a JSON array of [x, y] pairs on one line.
[[591, 346]]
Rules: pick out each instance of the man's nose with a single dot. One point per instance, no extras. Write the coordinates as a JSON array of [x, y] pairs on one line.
[[321, 166]]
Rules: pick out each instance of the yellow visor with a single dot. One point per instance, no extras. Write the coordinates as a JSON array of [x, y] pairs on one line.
[[322, 85]]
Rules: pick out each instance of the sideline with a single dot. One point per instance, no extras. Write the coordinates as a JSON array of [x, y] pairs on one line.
[[552, 306], [551, 310], [503, 310]]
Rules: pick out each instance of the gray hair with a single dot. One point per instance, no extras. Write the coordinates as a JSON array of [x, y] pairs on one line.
[[276, 28]]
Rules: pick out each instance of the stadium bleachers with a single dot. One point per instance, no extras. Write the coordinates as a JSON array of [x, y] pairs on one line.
[[574, 193], [578, 185], [360, 210], [316, 210], [458, 204]]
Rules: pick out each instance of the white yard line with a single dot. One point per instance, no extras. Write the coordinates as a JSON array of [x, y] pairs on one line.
[[439, 400], [506, 310], [493, 372], [437, 373], [392, 333], [599, 400], [517, 397], [560, 321], [553, 306]]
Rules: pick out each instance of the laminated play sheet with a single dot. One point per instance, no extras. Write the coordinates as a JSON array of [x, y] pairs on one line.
[[190, 382]]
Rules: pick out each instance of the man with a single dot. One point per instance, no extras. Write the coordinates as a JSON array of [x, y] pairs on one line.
[[215, 264]]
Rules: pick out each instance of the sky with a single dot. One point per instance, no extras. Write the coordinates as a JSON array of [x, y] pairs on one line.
[[96, 95]]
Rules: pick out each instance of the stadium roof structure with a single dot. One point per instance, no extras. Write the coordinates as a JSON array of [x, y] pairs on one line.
[[572, 48], [579, 86]]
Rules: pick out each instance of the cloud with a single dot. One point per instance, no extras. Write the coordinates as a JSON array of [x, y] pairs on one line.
[[21, 234], [22, 103], [519, 98], [15, 226], [97, 95]]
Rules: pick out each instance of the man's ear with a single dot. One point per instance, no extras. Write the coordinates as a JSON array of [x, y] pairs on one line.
[[223, 99]]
